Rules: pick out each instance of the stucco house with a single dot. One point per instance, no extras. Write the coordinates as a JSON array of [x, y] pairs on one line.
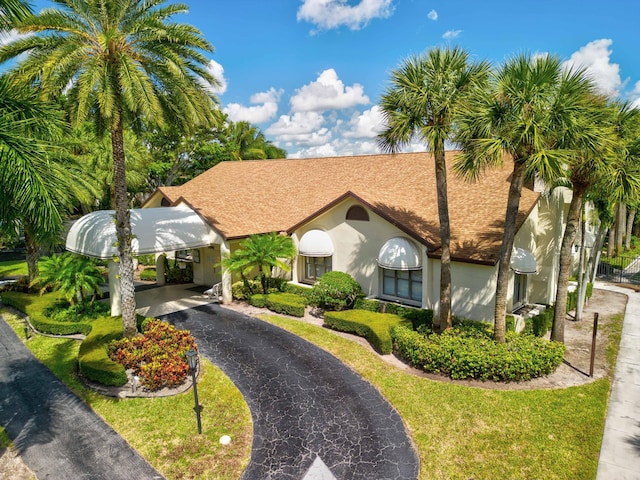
[[374, 217]]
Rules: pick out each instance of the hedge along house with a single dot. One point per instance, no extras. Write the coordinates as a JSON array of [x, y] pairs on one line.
[[375, 217]]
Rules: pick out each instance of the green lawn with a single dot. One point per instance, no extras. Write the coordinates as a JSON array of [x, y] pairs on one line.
[[460, 432], [13, 268]]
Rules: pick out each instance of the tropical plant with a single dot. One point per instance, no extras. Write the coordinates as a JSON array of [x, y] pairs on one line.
[[600, 162], [530, 105], [420, 103], [117, 61], [261, 253], [12, 11], [77, 277]]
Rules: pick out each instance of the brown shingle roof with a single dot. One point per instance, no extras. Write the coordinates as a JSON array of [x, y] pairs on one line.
[[242, 198]]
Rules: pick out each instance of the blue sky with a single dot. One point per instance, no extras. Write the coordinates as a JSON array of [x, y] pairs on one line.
[[309, 73]]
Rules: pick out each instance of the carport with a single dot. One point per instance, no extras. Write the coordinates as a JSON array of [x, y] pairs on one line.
[[155, 230]]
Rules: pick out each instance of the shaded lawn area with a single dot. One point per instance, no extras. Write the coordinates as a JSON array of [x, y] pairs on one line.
[[13, 268], [463, 432]]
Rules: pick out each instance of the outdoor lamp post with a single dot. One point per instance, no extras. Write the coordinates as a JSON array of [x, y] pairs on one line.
[[192, 360]]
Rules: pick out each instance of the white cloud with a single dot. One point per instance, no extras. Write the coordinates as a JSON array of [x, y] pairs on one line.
[[595, 57], [432, 15], [265, 107], [328, 92], [634, 97], [9, 36], [217, 71], [451, 34], [365, 124], [304, 127], [328, 14]]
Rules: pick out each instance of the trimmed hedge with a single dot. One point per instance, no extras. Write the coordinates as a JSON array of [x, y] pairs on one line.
[[462, 352], [418, 316], [284, 303], [373, 326], [93, 359], [34, 306]]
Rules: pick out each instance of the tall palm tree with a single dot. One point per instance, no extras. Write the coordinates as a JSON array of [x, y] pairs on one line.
[[531, 104], [117, 61], [420, 103], [590, 162]]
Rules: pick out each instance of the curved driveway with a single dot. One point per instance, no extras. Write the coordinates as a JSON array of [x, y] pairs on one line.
[[305, 403]]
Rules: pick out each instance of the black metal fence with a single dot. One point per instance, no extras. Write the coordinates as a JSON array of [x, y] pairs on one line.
[[620, 269]]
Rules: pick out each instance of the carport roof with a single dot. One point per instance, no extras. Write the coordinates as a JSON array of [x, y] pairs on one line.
[[155, 230]]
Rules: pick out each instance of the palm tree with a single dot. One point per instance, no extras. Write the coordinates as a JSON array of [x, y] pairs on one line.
[[262, 253], [117, 61], [591, 162], [12, 11], [35, 184], [421, 101], [532, 102], [75, 276]]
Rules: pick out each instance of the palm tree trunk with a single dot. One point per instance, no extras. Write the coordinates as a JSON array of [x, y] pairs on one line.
[[573, 220], [123, 232], [445, 240], [508, 237], [630, 219], [32, 253], [611, 240], [620, 224]]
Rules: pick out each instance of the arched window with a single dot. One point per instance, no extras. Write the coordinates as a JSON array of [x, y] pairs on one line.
[[357, 213]]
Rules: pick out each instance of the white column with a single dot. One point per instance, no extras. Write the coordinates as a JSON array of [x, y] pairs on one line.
[[227, 296], [160, 280], [114, 288]]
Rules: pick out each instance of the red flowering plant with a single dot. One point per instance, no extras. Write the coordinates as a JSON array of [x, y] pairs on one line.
[[158, 356]]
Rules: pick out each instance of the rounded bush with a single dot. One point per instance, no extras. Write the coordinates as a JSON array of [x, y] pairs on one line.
[[335, 291]]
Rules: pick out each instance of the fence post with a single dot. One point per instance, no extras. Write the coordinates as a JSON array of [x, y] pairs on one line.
[[593, 343]]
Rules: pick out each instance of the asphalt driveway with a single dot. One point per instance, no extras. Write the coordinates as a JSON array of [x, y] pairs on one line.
[[306, 405]]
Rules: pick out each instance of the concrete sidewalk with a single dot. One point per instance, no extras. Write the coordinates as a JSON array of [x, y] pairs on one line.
[[620, 451]]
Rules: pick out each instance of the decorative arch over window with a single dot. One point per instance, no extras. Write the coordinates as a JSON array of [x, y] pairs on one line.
[[356, 212]]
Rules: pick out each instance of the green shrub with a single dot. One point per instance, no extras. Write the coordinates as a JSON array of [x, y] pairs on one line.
[[148, 260], [243, 289], [93, 359], [370, 305], [540, 324], [62, 311], [302, 290], [35, 305], [510, 323], [371, 325], [148, 275], [158, 357], [258, 300], [463, 352], [286, 303], [335, 291]]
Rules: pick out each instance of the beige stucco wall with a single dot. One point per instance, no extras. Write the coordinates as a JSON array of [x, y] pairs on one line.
[[356, 246]]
